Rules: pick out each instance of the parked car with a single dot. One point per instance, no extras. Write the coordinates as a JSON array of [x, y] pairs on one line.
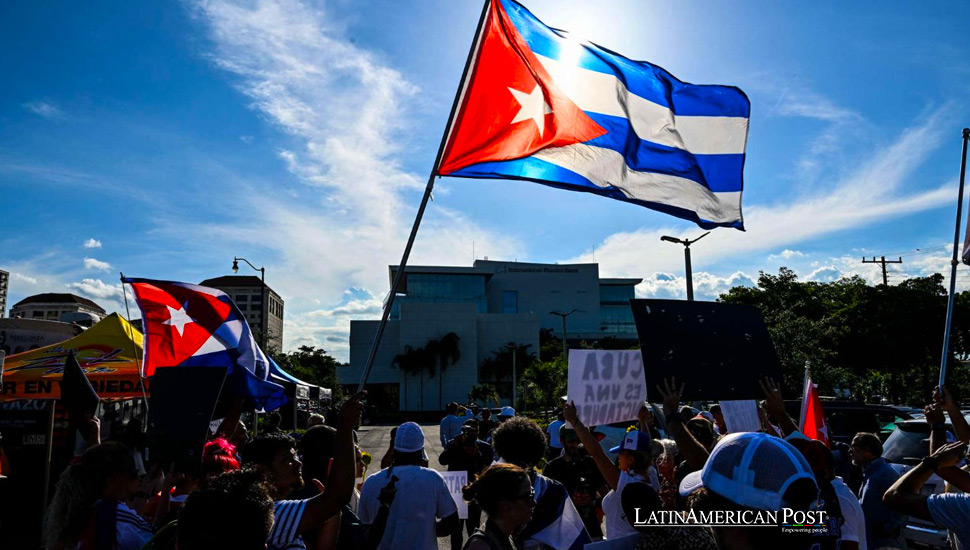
[[905, 448]]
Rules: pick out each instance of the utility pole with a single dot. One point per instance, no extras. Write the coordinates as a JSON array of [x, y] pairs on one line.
[[883, 261]]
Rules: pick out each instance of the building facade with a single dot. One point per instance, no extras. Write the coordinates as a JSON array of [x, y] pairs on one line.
[[489, 306], [261, 305], [55, 306], [4, 284]]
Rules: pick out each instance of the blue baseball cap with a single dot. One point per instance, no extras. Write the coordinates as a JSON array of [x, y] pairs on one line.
[[635, 440]]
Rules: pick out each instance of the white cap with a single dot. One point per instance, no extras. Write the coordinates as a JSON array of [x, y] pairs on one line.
[[409, 438], [507, 411], [751, 469]]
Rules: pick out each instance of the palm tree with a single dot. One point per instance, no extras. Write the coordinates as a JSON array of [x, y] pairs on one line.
[[410, 362], [444, 352]]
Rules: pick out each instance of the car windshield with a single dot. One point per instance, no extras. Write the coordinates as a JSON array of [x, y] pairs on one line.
[[907, 442]]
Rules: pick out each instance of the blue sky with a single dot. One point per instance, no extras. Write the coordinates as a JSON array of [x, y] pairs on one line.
[[162, 139]]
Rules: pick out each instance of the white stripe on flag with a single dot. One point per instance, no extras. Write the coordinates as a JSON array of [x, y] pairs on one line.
[[605, 94], [606, 167]]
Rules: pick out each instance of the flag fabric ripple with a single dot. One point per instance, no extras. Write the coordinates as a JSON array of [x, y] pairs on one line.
[[539, 105], [190, 325]]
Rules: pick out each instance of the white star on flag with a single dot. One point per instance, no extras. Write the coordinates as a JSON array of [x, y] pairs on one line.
[[178, 318], [532, 106]]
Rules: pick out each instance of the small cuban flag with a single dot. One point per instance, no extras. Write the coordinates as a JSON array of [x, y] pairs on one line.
[[188, 325], [538, 105]]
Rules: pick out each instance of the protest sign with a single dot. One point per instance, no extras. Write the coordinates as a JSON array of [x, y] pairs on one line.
[[719, 350], [606, 386], [455, 481], [741, 415]]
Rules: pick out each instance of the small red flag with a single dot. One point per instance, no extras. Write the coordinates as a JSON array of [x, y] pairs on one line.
[[813, 419]]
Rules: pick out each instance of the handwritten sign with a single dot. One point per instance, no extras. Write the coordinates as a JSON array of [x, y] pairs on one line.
[[606, 385], [455, 481], [741, 415]]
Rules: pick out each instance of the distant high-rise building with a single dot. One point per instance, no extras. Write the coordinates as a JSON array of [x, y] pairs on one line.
[[261, 305], [52, 306], [4, 283]]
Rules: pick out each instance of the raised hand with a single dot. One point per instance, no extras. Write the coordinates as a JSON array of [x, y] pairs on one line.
[[671, 395], [351, 410], [569, 413], [934, 414], [950, 455], [773, 399]]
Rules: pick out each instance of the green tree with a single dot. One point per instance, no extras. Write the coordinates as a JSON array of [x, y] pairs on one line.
[[544, 383], [497, 368], [484, 394], [313, 365]]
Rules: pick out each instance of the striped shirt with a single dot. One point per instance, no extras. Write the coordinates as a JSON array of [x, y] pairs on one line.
[[285, 534], [133, 531]]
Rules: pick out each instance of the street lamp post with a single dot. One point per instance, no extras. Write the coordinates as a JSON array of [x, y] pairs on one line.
[[514, 348], [262, 277], [565, 357], [686, 243]]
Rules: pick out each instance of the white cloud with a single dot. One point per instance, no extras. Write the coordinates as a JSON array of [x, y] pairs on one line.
[[350, 219], [92, 243], [25, 278], [786, 255], [91, 263], [44, 109], [246, 139], [98, 289], [825, 274], [707, 286]]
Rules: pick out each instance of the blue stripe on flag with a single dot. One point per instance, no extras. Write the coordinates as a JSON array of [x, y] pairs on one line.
[[546, 173], [718, 173], [641, 78]]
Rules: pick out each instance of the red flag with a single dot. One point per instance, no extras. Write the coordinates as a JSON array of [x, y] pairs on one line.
[[813, 419]]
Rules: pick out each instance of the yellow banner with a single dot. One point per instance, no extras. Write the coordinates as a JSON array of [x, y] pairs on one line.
[[105, 352]]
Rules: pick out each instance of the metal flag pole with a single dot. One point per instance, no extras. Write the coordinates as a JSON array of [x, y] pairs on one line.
[[954, 262], [138, 363], [424, 200]]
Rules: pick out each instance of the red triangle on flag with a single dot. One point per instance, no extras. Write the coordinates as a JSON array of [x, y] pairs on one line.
[[511, 107], [814, 424]]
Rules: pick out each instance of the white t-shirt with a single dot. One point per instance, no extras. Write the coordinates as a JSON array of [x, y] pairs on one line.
[[285, 535], [952, 510], [854, 528], [553, 431], [616, 522], [422, 498]]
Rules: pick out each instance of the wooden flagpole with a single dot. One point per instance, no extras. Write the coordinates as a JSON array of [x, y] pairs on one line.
[[389, 303], [954, 263]]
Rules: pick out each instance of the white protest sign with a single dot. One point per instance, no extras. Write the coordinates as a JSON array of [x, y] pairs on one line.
[[455, 481], [741, 415], [606, 385]]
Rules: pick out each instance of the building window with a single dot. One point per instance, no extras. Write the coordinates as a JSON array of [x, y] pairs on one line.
[[257, 298], [242, 298], [36, 313], [510, 301], [242, 307], [616, 294]]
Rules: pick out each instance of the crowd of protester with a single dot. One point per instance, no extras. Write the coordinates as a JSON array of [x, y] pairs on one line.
[[527, 487]]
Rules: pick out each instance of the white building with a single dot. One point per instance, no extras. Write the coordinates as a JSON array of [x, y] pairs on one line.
[[56, 307], [488, 306]]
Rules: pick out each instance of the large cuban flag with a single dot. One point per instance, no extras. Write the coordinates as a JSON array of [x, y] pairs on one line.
[[539, 105], [195, 326]]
